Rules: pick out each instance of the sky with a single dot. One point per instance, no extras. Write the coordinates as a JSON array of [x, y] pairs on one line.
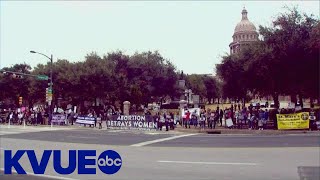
[[193, 35]]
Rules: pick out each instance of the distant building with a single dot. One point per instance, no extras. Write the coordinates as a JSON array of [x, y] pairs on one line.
[[244, 33]]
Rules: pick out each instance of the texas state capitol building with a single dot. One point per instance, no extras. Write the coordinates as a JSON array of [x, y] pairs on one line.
[[244, 33]]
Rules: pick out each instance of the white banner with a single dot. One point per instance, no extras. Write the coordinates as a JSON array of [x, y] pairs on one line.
[[191, 110], [229, 122], [85, 120], [58, 118]]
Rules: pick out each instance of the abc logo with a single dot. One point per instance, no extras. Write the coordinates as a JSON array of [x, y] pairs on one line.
[[109, 162]]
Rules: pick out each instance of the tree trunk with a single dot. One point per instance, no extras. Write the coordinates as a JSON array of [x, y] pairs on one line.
[[300, 99], [311, 102], [293, 98], [275, 97], [243, 102]]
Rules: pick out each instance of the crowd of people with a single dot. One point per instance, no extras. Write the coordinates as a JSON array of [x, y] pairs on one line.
[[167, 119], [232, 118], [237, 117], [32, 116]]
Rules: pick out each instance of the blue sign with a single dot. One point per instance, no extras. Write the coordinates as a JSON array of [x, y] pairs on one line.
[[109, 161]]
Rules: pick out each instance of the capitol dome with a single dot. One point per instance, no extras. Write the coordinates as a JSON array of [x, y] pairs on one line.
[[244, 33], [244, 25]]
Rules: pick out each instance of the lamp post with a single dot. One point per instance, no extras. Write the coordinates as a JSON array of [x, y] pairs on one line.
[[51, 84]]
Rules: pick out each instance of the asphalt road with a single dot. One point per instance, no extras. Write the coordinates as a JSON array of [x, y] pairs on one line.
[[16, 176], [110, 137], [177, 156]]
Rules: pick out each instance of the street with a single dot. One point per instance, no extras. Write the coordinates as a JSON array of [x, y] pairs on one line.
[[173, 155]]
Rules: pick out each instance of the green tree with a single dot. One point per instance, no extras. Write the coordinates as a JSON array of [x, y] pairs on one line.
[[12, 86]]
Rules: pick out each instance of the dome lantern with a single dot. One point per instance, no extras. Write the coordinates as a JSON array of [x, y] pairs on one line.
[[244, 14]]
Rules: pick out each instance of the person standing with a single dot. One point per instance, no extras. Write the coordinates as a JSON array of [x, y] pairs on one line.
[[161, 121], [236, 117], [99, 120], [194, 119], [251, 120], [261, 119], [231, 112], [156, 119], [20, 117], [167, 120], [202, 121], [240, 120], [215, 119], [266, 118], [210, 119], [32, 117], [171, 121], [10, 117], [312, 120], [95, 118], [221, 116], [187, 123]]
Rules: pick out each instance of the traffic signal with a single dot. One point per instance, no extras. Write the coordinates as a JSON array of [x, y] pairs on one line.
[[20, 100], [48, 94]]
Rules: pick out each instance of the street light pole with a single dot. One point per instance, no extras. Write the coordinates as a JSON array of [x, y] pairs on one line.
[[51, 84], [50, 105], [187, 93]]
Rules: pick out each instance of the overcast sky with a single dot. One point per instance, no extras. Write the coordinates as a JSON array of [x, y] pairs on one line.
[[193, 35]]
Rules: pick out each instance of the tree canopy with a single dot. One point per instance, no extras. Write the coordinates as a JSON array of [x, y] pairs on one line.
[[284, 62]]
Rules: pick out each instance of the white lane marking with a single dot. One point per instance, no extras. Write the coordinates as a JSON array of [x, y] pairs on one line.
[[114, 131], [209, 163], [160, 140], [43, 175], [81, 137]]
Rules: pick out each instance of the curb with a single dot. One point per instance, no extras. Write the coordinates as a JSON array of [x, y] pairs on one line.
[[249, 132]]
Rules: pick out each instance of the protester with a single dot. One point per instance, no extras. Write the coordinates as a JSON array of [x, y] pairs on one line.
[[20, 117], [251, 119], [99, 120], [39, 117], [266, 118], [161, 121], [171, 122], [202, 121], [194, 119], [240, 120], [211, 120], [221, 116], [167, 118], [187, 119], [261, 119], [312, 118]]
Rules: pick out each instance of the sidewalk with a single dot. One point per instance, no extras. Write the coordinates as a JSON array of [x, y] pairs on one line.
[[222, 130], [6, 126]]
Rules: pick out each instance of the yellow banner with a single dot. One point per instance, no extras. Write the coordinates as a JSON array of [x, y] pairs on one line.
[[293, 121]]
